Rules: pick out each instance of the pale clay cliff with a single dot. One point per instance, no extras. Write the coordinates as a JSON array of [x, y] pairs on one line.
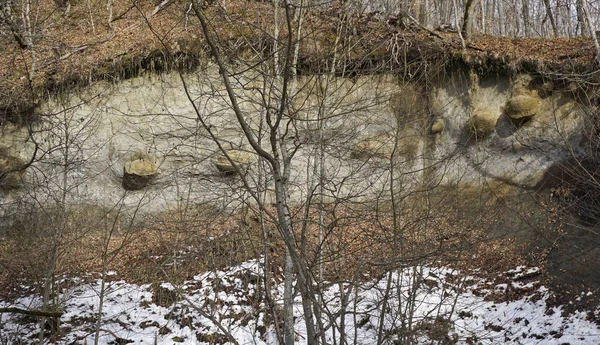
[[467, 130]]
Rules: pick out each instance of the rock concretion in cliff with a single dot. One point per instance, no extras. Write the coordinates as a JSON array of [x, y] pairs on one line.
[[525, 101], [241, 159], [138, 172], [523, 106], [483, 122], [438, 126]]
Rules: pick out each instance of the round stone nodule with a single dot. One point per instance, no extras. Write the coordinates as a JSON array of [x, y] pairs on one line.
[[138, 173], [241, 159]]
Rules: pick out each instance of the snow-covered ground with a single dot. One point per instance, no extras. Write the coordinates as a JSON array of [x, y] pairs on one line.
[[448, 308]]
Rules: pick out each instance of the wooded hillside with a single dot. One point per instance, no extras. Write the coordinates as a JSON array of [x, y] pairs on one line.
[[299, 171]]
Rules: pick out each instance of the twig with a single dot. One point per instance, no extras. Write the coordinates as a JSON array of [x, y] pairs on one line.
[[77, 50], [462, 40], [416, 22], [120, 16], [465, 45], [158, 8], [66, 56]]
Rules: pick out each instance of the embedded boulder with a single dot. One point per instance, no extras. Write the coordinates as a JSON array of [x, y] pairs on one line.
[[437, 127], [483, 122], [12, 170], [241, 159], [138, 173], [523, 106]]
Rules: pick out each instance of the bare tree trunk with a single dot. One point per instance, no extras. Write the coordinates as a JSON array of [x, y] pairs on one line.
[[516, 28], [89, 7], [468, 19], [288, 298], [101, 296], [57, 237], [525, 14], [281, 196], [425, 20], [416, 7], [483, 17], [445, 15], [563, 20], [590, 25], [489, 16], [108, 256], [26, 20], [397, 236], [580, 18], [421, 11], [109, 7], [501, 22]]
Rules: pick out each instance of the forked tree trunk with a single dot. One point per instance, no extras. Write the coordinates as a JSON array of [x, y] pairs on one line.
[[279, 163], [551, 17], [460, 35]]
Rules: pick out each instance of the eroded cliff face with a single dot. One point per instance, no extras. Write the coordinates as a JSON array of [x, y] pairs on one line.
[[466, 130], [509, 130]]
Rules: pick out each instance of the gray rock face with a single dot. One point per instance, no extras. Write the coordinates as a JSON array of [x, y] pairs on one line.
[[16, 149]]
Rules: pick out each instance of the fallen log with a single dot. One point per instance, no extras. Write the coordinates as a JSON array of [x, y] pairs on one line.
[[31, 312]]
